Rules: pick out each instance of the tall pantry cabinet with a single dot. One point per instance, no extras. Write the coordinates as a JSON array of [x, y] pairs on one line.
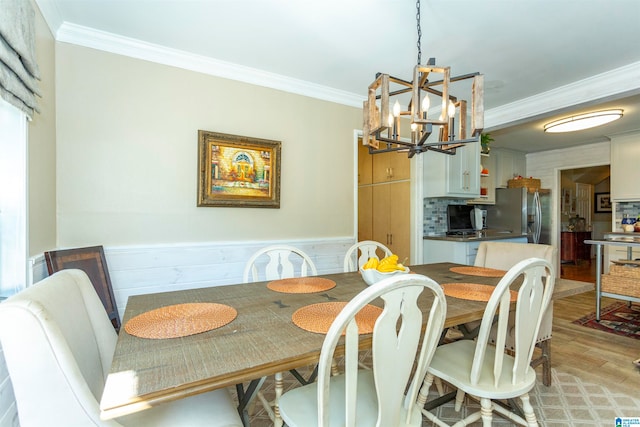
[[384, 200]]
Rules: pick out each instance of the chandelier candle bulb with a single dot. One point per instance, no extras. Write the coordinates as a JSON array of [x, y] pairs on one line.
[[452, 109], [425, 107]]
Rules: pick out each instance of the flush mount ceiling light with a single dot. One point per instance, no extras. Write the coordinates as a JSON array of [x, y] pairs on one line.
[[383, 110], [583, 121]]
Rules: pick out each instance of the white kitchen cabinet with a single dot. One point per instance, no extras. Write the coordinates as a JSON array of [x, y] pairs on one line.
[[453, 175], [509, 164], [460, 252], [625, 173]]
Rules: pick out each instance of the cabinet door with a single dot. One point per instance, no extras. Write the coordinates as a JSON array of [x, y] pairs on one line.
[[568, 246], [400, 220], [365, 164], [391, 219], [509, 164], [464, 172], [391, 167], [380, 222], [365, 213], [625, 174]]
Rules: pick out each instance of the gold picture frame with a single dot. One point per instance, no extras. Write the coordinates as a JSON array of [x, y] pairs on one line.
[[238, 171]]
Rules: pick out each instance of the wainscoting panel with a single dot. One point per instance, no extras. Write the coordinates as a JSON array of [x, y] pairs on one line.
[[136, 270]]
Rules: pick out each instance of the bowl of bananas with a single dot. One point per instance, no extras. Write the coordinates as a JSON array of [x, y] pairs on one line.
[[375, 270]]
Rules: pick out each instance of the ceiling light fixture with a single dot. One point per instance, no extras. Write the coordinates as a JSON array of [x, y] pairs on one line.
[[583, 121], [383, 111]]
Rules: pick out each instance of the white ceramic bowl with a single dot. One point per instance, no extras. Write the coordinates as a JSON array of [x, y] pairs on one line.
[[371, 275]]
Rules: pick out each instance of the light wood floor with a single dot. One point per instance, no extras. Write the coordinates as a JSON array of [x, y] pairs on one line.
[[595, 356]]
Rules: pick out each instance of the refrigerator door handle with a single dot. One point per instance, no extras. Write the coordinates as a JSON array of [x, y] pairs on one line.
[[537, 223]]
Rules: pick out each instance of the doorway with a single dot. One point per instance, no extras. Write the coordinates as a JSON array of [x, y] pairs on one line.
[[579, 221]]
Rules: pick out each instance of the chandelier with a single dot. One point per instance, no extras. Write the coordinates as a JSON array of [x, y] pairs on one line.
[[384, 115]]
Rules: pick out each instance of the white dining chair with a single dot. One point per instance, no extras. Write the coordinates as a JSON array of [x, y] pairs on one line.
[[486, 372], [358, 254], [278, 262], [503, 256], [402, 340], [58, 343]]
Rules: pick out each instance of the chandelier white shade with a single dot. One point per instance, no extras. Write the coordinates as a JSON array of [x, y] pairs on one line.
[[583, 121]]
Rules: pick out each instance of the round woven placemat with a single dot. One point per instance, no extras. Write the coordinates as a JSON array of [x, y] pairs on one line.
[[478, 271], [319, 317], [472, 291], [180, 320], [301, 285]]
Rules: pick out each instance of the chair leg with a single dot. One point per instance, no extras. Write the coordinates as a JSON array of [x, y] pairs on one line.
[[424, 390], [486, 411], [545, 346], [529, 415], [277, 421], [459, 400], [544, 360]]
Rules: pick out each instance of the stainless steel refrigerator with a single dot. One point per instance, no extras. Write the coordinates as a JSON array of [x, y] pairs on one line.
[[520, 211]]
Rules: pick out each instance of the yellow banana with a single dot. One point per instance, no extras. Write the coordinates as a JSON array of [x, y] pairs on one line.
[[371, 263], [386, 268], [391, 259]]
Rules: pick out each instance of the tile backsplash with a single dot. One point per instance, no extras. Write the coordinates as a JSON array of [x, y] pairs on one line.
[[435, 214], [630, 208]]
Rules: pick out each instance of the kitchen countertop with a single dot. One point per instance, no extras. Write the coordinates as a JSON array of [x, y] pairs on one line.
[[477, 236]]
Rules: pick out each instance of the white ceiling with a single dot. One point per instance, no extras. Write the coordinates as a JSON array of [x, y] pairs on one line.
[[541, 58]]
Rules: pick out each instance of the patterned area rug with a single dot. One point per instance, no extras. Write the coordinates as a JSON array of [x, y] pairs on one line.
[[568, 402], [617, 318]]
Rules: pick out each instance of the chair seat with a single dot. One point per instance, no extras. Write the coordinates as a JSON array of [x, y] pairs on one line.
[[299, 407], [215, 408], [460, 354]]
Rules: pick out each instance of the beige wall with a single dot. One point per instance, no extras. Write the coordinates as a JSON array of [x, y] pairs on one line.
[[42, 148], [127, 154]]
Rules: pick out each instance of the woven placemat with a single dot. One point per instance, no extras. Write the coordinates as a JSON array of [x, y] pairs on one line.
[[472, 291], [180, 320], [478, 271], [301, 285], [318, 317]]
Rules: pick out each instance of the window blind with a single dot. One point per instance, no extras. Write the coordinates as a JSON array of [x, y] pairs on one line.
[[19, 72]]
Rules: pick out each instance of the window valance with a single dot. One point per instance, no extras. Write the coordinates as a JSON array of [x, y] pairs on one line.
[[19, 73]]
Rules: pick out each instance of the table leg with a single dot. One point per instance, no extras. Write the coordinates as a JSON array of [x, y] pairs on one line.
[[245, 397], [598, 279]]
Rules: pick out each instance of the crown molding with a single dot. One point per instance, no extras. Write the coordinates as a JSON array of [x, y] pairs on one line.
[[108, 42], [624, 80], [612, 83]]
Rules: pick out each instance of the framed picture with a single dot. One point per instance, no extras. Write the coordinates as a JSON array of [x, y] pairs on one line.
[[603, 202], [238, 171], [567, 199]]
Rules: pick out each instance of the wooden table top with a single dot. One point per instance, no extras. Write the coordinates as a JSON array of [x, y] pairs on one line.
[[261, 341]]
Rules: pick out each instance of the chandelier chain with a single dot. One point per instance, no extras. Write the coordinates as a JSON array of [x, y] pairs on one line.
[[419, 43]]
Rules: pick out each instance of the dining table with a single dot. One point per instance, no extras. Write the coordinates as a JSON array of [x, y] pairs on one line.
[[261, 340]]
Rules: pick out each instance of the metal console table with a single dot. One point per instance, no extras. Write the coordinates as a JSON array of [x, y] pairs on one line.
[[612, 239]]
